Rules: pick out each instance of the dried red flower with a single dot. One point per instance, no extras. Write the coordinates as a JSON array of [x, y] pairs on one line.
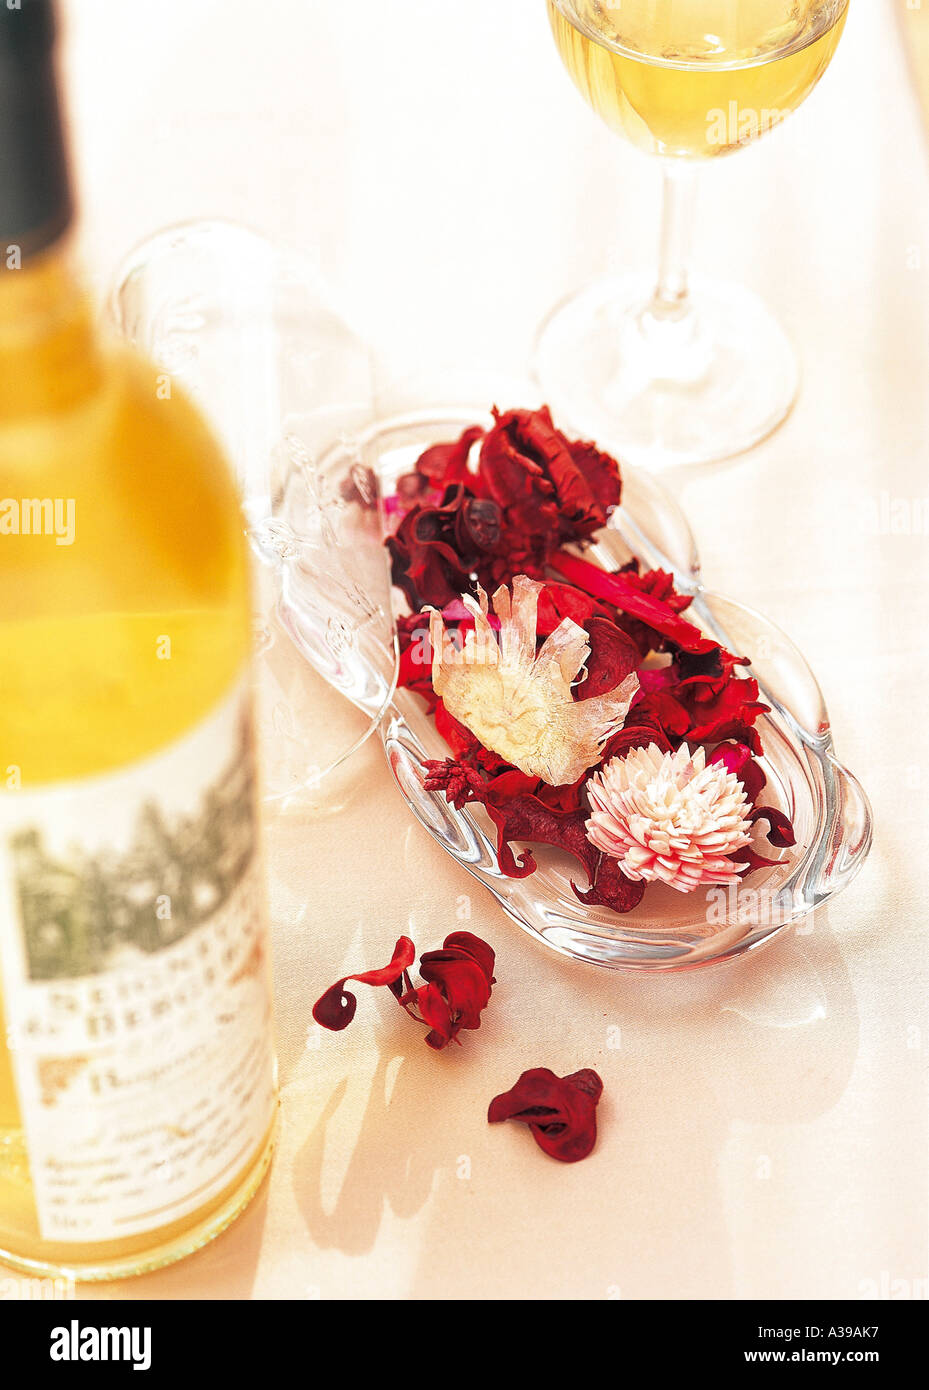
[[781, 831], [533, 492], [737, 758], [610, 887], [336, 1008], [459, 739], [458, 783], [630, 595], [560, 601], [781, 835], [458, 978], [448, 463], [729, 715], [360, 485], [613, 657], [548, 488], [415, 671], [560, 1111], [437, 547], [526, 819], [521, 815]]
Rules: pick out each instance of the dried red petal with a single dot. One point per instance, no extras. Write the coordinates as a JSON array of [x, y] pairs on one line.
[[601, 472], [628, 598], [781, 835], [458, 737], [436, 548], [518, 812], [463, 973], [652, 681], [637, 735], [458, 982], [526, 818], [561, 1112], [474, 946], [702, 676], [613, 657], [415, 671], [662, 710], [737, 758], [560, 601], [781, 832], [611, 888], [459, 979], [570, 797], [506, 785], [336, 1008], [736, 706], [657, 584], [748, 856], [448, 463], [428, 1005]]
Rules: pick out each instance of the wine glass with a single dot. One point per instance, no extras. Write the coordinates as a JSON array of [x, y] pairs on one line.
[[662, 376]]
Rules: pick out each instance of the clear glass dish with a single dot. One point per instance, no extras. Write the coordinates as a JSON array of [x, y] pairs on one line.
[[668, 930]]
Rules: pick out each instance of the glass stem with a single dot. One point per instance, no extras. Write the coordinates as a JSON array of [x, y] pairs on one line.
[[671, 300]]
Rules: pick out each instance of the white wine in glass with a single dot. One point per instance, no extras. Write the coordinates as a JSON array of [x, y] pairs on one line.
[[666, 378]]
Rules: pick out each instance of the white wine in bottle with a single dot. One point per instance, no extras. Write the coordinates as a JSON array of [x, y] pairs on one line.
[[137, 1090]]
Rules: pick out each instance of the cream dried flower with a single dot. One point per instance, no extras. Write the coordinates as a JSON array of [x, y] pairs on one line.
[[669, 816], [517, 701]]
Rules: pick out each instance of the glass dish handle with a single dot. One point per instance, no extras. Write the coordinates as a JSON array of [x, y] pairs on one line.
[[851, 830]]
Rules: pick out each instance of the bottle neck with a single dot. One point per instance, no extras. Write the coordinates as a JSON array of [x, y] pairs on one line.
[[36, 203], [48, 357], [49, 354]]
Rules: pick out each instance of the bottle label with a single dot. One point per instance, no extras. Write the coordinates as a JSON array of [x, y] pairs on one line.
[[136, 983]]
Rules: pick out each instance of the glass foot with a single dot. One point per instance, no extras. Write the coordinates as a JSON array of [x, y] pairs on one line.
[[666, 385]]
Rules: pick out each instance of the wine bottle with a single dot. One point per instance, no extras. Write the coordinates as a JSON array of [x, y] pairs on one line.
[[137, 1089]]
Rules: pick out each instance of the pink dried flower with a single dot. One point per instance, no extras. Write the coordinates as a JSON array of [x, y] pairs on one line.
[[670, 817]]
